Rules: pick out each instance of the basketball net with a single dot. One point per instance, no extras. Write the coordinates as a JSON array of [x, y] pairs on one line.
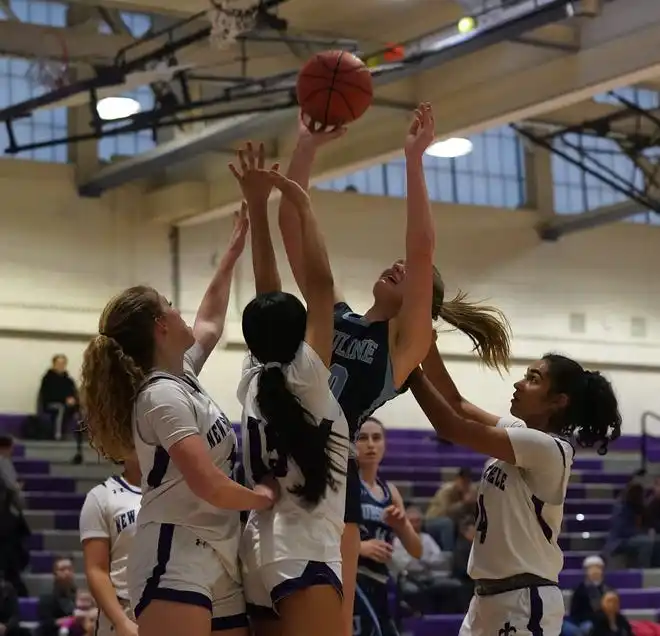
[[51, 74], [228, 21]]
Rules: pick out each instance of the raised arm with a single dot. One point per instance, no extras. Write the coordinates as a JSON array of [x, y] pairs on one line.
[[413, 323], [437, 374], [299, 170], [315, 268], [256, 185], [210, 319]]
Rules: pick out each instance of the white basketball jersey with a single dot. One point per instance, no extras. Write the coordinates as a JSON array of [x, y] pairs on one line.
[[520, 510], [291, 530], [110, 512], [169, 409]]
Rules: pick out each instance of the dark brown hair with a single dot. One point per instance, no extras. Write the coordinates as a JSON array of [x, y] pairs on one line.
[[115, 364], [485, 325]]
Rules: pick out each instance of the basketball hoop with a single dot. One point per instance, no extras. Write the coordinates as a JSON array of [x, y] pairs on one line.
[[51, 73], [227, 22]]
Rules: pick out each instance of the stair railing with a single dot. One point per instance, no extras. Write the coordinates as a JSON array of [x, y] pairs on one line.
[[643, 446]]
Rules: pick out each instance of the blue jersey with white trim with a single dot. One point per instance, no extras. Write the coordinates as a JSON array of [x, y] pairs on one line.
[[361, 376], [373, 526], [520, 508]]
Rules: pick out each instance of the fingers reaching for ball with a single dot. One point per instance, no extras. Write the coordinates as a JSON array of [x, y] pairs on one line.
[[252, 176], [422, 130]]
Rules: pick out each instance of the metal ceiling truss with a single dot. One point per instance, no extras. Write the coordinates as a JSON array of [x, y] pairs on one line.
[[641, 137], [245, 96]]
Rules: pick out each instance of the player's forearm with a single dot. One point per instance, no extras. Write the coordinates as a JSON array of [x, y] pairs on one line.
[[411, 541], [264, 263], [300, 169], [317, 271], [105, 595], [226, 494], [420, 230]]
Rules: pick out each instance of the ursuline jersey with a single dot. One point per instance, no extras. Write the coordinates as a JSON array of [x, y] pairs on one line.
[[291, 529], [520, 508], [168, 409], [374, 526], [110, 512], [361, 375]]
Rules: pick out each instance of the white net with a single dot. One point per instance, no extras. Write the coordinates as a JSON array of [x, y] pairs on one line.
[[51, 74], [228, 21]]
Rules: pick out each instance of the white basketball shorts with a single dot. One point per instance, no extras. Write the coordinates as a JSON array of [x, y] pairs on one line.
[[103, 625], [269, 584], [170, 563], [535, 611]]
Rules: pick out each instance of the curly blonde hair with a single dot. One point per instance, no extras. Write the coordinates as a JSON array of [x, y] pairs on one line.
[[115, 364], [486, 326]]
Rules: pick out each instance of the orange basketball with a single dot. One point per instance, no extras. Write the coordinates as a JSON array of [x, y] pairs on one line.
[[334, 88]]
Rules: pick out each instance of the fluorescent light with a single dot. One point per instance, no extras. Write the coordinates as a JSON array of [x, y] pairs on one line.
[[110, 108], [450, 148]]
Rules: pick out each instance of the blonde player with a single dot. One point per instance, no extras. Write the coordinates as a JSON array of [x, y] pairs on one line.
[[294, 431], [107, 527], [515, 559], [140, 391]]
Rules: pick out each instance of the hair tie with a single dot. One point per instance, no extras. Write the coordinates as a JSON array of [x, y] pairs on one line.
[[272, 365]]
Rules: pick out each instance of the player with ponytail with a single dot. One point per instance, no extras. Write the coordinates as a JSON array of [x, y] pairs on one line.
[[294, 433]]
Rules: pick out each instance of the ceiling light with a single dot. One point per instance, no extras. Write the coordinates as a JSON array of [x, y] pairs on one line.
[[110, 108], [450, 148]]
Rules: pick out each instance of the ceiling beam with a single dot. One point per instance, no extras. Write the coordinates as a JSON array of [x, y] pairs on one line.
[[505, 83]]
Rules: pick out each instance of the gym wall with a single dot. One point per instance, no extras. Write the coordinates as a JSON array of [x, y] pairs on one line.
[[591, 295]]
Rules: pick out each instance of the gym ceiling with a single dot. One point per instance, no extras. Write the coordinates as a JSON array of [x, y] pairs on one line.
[[540, 75]]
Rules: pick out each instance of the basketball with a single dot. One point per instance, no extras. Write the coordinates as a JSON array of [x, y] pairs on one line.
[[334, 88]]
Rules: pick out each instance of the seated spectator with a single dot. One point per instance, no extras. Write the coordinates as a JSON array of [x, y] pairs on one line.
[[424, 582], [609, 621], [451, 503], [587, 596], [83, 621], [9, 611], [57, 608], [629, 533], [14, 531], [653, 507], [461, 556]]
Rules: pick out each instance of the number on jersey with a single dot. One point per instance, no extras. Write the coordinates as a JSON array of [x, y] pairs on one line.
[[338, 379], [482, 519]]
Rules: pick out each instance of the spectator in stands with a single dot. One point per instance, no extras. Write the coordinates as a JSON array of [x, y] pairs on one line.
[[83, 622], [586, 598], [653, 507], [9, 610], [58, 395], [629, 533], [452, 502], [8, 474], [461, 556], [609, 621], [424, 582], [14, 531], [56, 609]]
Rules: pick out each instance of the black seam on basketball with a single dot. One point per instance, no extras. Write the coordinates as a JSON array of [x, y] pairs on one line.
[[340, 82], [324, 62], [332, 85], [315, 92], [348, 104]]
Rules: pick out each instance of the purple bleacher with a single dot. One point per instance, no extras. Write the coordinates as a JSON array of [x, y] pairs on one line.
[[620, 579], [55, 501], [48, 483], [10, 424], [28, 609], [590, 523], [588, 507], [599, 477], [31, 466], [640, 599], [463, 459]]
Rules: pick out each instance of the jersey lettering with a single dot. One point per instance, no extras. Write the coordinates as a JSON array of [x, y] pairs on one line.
[[218, 431], [124, 520], [350, 348], [496, 476], [482, 519]]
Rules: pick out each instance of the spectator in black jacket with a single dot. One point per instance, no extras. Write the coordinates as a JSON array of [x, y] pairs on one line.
[[9, 610], [587, 596], [609, 621], [58, 402], [57, 608]]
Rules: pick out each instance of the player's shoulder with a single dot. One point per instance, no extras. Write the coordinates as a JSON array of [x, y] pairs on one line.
[[509, 421], [99, 494], [161, 388]]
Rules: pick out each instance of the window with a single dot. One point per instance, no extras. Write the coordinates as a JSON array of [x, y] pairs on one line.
[[492, 174], [130, 144], [45, 124], [38, 12], [137, 24]]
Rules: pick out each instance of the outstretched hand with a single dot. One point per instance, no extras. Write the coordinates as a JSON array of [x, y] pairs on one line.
[[290, 189], [241, 227], [252, 175], [422, 130], [315, 134]]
